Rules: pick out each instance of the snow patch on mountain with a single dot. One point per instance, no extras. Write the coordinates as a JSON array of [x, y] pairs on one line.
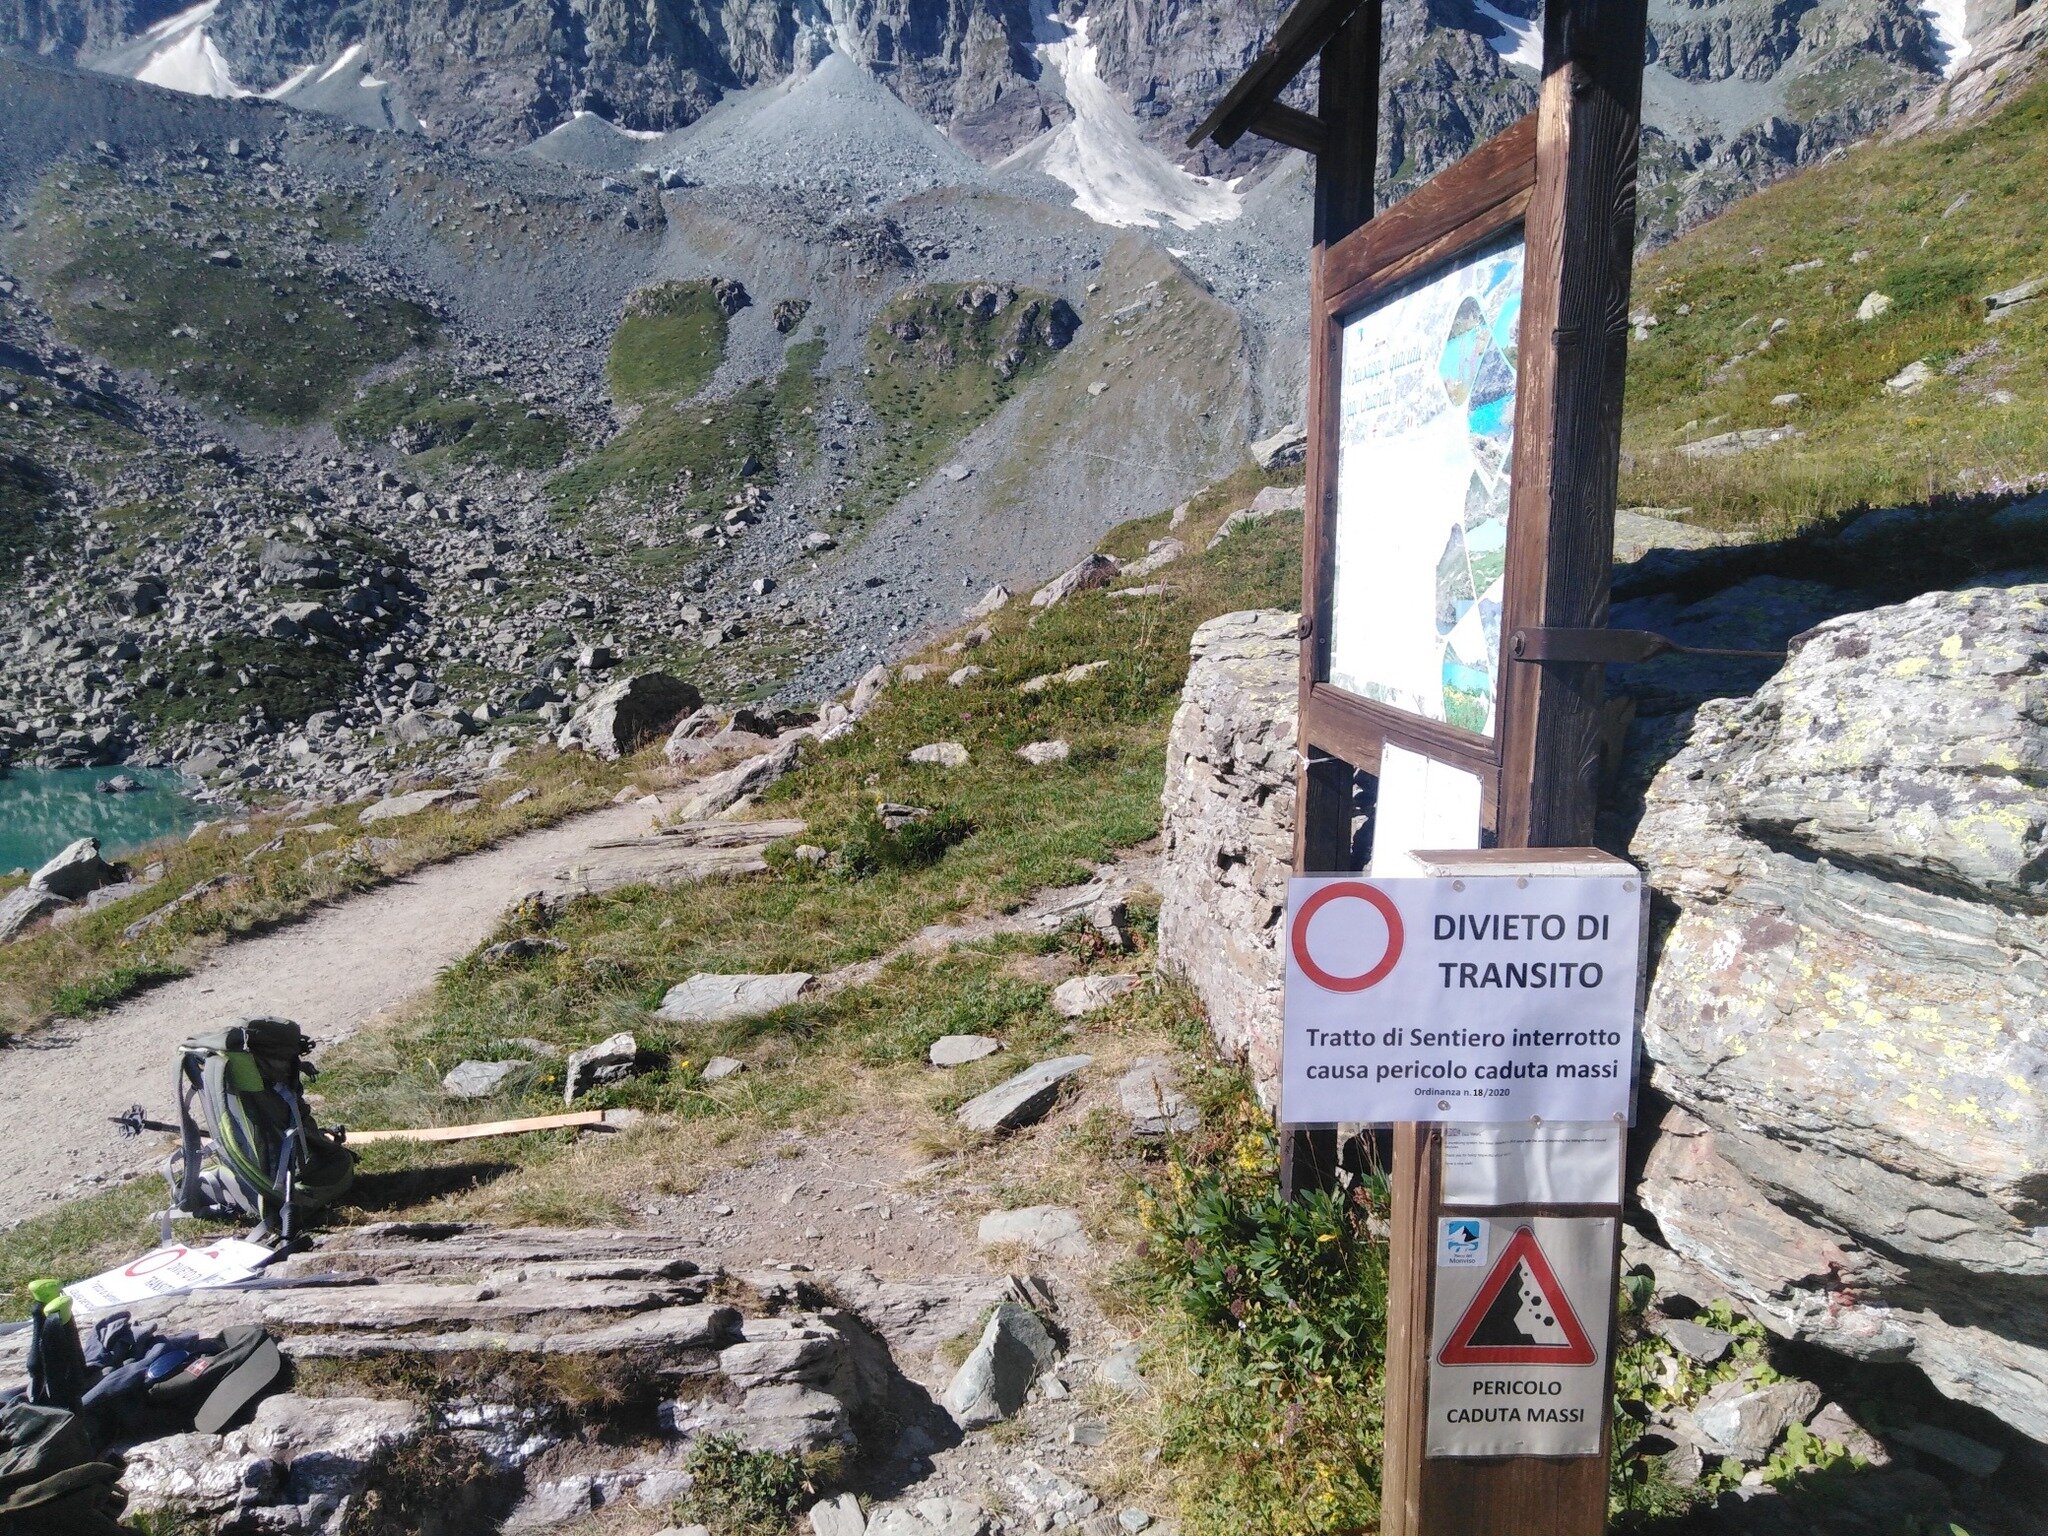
[[1520, 39], [593, 121], [1951, 32], [1117, 178], [178, 54]]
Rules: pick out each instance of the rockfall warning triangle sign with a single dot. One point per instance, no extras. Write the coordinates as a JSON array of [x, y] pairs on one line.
[[1519, 1316]]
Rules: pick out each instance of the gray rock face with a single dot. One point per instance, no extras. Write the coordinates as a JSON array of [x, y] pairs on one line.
[[1083, 576], [712, 999], [1695, 1340], [295, 565], [1746, 1423], [611, 1060], [480, 1079], [1023, 1099], [1855, 857], [993, 1380], [299, 1460], [1228, 830], [941, 1515], [624, 716], [838, 1517], [397, 807], [723, 791], [77, 872], [1054, 1230]]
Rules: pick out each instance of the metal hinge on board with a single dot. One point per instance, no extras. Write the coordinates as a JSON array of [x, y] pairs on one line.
[[1611, 645]]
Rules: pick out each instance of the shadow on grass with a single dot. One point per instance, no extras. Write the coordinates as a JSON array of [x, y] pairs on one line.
[[403, 1189]]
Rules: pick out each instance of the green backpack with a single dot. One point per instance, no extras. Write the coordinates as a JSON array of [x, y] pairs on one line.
[[243, 1091]]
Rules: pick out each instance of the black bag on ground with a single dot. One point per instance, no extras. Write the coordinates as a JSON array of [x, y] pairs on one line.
[[50, 1482], [250, 1147]]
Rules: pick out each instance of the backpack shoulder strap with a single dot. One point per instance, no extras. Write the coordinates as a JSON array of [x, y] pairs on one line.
[[182, 1172]]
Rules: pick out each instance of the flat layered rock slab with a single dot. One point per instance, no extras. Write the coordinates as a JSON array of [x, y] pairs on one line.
[[713, 999], [1023, 1099], [688, 1339], [655, 861], [407, 1248]]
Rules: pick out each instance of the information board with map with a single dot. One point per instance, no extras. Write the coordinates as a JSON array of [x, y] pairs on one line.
[[1426, 407]]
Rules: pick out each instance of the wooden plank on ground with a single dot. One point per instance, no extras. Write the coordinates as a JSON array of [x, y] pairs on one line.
[[581, 1117]]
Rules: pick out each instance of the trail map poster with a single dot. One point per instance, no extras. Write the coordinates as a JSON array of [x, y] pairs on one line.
[[1426, 406]]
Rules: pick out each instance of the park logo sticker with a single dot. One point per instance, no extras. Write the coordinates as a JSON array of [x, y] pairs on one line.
[[1520, 1315]]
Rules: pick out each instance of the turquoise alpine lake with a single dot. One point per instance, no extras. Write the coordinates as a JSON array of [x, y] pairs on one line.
[[42, 809]]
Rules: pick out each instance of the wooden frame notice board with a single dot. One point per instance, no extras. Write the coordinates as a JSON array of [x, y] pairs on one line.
[[1479, 204]]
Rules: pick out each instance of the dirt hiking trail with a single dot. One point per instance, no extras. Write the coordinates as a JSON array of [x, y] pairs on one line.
[[334, 971]]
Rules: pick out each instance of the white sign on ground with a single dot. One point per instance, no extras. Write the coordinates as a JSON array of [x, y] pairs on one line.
[[1554, 1163], [167, 1271], [1480, 998], [1518, 1343]]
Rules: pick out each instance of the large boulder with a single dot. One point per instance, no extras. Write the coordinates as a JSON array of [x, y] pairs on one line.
[[1228, 830], [1085, 575], [77, 872], [283, 563], [1846, 1010], [624, 716]]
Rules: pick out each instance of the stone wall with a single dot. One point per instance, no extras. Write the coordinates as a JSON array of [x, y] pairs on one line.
[[1229, 830]]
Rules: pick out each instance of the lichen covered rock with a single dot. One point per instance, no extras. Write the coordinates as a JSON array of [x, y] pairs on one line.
[[1847, 1007]]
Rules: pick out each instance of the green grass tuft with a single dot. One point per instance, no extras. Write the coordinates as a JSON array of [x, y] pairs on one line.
[[697, 452]]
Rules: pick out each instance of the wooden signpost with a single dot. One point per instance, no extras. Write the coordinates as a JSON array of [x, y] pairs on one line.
[[1466, 357]]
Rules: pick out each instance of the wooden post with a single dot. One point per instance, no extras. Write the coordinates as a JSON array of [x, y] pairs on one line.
[[1580, 240], [1349, 102]]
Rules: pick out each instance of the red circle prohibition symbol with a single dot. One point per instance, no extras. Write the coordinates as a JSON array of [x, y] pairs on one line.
[[1351, 890]]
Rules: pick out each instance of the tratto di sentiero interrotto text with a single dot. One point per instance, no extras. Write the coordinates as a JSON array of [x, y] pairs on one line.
[[1487, 998]]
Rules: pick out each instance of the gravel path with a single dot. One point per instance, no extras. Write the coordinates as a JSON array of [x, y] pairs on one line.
[[333, 972]]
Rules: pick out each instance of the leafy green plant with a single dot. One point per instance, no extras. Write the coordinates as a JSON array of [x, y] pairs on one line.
[[871, 846], [1298, 1283], [739, 1492], [1282, 1308]]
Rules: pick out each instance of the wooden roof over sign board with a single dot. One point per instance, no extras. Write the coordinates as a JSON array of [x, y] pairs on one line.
[[1254, 105]]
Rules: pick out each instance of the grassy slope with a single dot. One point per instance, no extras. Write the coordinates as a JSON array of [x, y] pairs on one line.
[[446, 419], [937, 371], [1935, 223], [126, 272], [680, 448], [669, 344]]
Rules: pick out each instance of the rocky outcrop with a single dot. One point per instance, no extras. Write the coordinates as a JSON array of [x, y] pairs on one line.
[[1845, 1009], [486, 1308], [624, 716], [1228, 830]]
